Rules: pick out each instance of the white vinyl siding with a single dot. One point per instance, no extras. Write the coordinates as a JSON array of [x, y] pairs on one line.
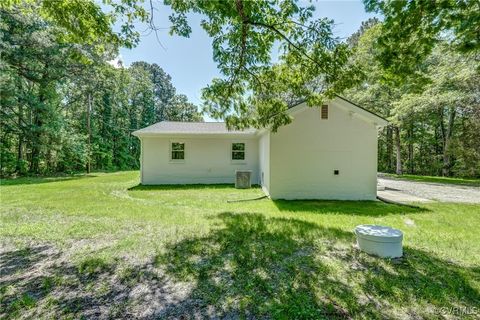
[[305, 154], [207, 160], [264, 161]]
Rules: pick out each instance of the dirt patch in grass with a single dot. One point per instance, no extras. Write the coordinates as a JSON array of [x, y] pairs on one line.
[[253, 267], [41, 282]]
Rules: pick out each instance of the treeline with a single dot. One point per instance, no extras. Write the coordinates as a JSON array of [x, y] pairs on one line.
[[435, 113], [65, 108]]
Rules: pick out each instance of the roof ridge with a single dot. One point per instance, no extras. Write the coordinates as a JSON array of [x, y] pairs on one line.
[[193, 121], [192, 127]]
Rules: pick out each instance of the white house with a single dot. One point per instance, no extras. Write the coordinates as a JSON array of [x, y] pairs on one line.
[[324, 153]]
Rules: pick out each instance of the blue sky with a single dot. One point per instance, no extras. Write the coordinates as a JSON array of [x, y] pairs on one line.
[[189, 60]]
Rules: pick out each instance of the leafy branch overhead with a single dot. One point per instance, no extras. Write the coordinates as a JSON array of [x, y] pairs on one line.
[[412, 29], [86, 22], [255, 91]]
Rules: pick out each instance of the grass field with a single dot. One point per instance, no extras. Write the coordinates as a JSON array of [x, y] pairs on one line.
[[100, 246], [433, 179]]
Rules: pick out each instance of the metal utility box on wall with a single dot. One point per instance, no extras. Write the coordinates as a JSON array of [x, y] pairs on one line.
[[243, 179]]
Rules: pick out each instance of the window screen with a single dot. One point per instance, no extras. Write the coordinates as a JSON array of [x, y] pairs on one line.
[[238, 151], [178, 151]]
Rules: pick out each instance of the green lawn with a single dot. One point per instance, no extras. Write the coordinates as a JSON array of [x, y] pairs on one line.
[[99, 246], [434, 179]]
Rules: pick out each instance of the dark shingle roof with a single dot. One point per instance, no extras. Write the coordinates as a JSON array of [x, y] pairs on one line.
[[173, 127]]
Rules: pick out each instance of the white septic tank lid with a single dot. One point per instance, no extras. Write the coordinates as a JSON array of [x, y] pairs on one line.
[[378, 233]]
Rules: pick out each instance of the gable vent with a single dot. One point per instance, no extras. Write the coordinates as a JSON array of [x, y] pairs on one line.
[[324, 111]]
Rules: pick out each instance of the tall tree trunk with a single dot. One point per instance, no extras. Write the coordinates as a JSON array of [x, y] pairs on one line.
[[89, 129], [443, 134], [448, 137], [38, 129], [19, 166], [36, 141], [49, 158], [398, 150], [39, 116], [410, 148], [390, 158]]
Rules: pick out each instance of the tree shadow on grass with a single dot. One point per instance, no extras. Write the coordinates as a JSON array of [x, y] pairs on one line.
[[21, 260], [141, 187], [360, 208], [49, 286], [41, 180], [249, 266], [256, 267]]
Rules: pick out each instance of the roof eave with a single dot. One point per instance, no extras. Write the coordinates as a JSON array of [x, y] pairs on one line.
[[379, 119], [193, 134]]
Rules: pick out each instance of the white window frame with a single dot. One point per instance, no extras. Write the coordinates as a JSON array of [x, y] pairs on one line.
[[238, 161], [170, 150]]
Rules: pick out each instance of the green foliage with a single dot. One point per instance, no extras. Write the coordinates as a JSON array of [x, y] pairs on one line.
[[65, 109], [312, 63], [412, 29], [179, 109], [85, 21], [435, 112], [167, 105]]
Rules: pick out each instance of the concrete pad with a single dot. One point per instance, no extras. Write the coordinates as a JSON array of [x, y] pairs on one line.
[[434, 191], [399, 196]]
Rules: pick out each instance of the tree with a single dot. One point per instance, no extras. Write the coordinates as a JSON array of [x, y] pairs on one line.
[[179, 109], [451, 93], [33, 62], [163, 89], [355, 37], [65, 109], [434, 119], [411, 29], [244, 34], [377, 95], [86, 22]]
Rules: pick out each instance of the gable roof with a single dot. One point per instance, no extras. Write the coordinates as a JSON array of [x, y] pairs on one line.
[[367, 114], [220, 128], [362, 108], [177, 127]]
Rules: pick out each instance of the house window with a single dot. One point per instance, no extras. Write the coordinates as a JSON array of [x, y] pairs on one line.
[[177, 151], [324, 111], [238, 151]]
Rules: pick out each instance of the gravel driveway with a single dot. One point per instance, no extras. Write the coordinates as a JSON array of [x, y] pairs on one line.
[[433, 191]]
